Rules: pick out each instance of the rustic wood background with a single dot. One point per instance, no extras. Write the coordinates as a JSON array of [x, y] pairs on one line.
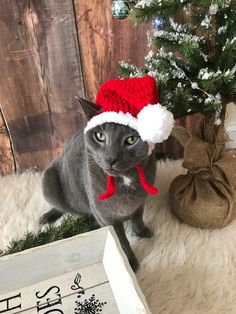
[[40, 75], [104, 41], [50, 52]]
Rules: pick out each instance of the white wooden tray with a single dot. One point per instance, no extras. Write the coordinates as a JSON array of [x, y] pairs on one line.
[[86, 274]]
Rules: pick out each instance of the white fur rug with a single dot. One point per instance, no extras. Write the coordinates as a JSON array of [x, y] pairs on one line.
[[183, 270]]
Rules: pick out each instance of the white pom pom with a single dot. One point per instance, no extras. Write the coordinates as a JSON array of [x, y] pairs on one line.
[[155, 123]]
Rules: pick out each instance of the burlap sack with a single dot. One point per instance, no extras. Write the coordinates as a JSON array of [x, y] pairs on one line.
[[205, 196]]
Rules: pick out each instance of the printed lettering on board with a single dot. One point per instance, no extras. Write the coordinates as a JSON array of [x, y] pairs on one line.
[[50, 300]]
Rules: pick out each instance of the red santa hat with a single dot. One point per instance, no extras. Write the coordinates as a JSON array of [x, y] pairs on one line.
[[134, 102]]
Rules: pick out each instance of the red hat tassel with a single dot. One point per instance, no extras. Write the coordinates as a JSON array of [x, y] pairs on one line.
[[111, 189], [147, 187]]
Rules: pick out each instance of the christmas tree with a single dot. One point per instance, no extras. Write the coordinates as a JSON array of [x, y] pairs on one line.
[[195, 60]]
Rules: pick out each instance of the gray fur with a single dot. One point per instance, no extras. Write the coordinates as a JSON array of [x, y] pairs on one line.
[[74, 181]]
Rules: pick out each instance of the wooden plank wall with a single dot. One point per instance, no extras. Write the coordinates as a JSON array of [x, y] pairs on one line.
[[50, 52], [7, 163], [41, 73], [104, 41], [40, 76]]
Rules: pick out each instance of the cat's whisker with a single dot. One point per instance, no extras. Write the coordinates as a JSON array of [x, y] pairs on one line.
[[93, 165]]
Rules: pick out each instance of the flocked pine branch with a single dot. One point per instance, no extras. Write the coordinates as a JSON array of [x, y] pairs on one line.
[[145, 10], [194, 63], [70, 226]]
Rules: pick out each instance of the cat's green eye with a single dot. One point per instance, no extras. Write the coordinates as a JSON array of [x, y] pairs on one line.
[[131, 140], [100, 137]]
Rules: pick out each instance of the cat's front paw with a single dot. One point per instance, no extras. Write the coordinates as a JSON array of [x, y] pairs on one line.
[[145, 233], [50, 217], [134, 263], [44, 219]]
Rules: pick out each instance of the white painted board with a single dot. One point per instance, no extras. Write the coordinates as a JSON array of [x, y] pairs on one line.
[[80, 275]]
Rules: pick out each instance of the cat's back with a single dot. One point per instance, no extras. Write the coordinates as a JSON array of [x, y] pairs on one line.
[[74, 172], [71, 163], [64, 182], [73, 159], [74, 147]]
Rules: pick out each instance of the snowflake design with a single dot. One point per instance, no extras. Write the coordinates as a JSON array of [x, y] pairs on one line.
[[90, 306]]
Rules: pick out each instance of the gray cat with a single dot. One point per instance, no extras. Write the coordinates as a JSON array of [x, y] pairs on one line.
[[74, 181]]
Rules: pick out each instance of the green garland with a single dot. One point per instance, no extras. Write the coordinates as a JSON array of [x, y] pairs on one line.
[[69, 227]]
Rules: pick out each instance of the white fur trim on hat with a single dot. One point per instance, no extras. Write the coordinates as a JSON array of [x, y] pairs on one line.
[[112, 116], [155, 123]]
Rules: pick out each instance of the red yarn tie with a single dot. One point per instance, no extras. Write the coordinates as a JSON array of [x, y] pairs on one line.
[[147, 187], [111, 186], [111, 189]]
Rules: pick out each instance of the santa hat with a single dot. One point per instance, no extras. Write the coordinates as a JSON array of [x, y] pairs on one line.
[[133, 102]]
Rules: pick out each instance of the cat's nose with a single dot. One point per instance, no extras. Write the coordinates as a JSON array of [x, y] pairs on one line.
[[111, 161]]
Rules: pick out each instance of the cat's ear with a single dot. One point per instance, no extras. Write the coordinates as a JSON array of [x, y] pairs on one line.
[[90, 109]]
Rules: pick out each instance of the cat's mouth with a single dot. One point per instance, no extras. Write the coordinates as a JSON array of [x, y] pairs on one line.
[[113, 172]]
